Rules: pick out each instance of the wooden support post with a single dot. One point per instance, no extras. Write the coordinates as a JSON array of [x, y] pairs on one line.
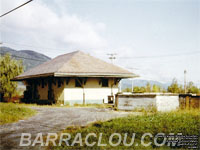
[[83, 96], [116, 101], [112, 83], [82, 83], [187, 99]]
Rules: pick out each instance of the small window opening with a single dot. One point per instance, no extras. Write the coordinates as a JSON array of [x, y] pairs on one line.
[[78, 82], [42, 83], [59, 83], [104, 82]]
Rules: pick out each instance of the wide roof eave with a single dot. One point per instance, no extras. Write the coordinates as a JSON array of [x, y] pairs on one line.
[[114, 75]]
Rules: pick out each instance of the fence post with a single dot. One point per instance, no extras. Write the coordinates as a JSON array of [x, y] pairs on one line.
[[187, 99]]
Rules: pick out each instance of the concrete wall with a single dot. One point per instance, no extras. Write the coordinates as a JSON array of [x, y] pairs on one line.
[[162, 102], [136, 102], [94, 92], [167, 103]]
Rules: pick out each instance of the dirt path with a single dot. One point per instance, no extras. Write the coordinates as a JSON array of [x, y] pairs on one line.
[[51, 119]]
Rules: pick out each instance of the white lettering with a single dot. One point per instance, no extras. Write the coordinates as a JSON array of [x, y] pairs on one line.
[[87, 137], [99, 141], [38, 140], [77, 139], [28, 137], [156, 138], [53, 140], [65, 140], [142, 139], [132, 140], [111, 139]]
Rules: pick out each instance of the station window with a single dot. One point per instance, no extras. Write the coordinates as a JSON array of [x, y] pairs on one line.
[[59, 83], [42, 83], [104, 82], [78, 82]]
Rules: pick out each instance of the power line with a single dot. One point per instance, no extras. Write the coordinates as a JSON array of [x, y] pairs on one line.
[[159, 56], [16, 8], [48, 48], [23, 57], [112, 55]]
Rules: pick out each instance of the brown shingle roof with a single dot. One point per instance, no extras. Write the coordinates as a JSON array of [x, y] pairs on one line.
[[76, 64]]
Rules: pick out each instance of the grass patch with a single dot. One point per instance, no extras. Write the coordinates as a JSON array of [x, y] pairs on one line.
[[185, 122], [92, 105], [150, 109], [10, 112]]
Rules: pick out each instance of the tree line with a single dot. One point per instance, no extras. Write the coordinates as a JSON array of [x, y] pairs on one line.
[[174, 87]]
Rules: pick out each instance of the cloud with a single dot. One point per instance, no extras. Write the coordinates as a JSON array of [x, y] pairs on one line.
[[38, 25], [47, 27]]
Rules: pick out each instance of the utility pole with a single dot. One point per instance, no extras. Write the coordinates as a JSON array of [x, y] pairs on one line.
[[0, 46], [132, 78], [185, 88], [112, 56]]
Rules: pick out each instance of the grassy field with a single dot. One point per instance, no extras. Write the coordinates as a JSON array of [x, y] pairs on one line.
[[185, 122], [10, 112]]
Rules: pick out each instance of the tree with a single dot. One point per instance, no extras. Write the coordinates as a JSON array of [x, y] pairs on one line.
[[9, 68], [148, 87], [156, 88], [174, 87], [142, 89], [137, 89], [126, 90], [191, 88], [163, 90]]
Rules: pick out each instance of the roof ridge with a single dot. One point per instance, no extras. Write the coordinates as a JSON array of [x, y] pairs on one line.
[[73, 54], [67, 54]]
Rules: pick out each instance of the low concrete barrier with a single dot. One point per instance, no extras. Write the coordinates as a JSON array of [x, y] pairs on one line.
[[162, 102]]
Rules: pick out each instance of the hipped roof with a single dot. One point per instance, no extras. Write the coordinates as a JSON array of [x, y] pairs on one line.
[[76, 64]]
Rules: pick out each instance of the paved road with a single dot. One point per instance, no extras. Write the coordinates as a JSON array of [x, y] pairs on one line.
[[51, 119]]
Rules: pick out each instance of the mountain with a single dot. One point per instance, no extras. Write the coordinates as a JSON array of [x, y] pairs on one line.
[[127, 83], [30, 58]]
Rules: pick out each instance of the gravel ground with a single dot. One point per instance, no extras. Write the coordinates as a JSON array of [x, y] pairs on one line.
[[51, 119]]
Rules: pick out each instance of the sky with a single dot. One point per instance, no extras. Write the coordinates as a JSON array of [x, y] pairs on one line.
[[156, 39]]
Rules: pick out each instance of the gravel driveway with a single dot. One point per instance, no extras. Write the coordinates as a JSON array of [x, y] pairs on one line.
[[51, 119]]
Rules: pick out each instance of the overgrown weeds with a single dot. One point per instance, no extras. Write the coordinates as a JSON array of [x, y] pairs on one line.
[[10, 112]]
